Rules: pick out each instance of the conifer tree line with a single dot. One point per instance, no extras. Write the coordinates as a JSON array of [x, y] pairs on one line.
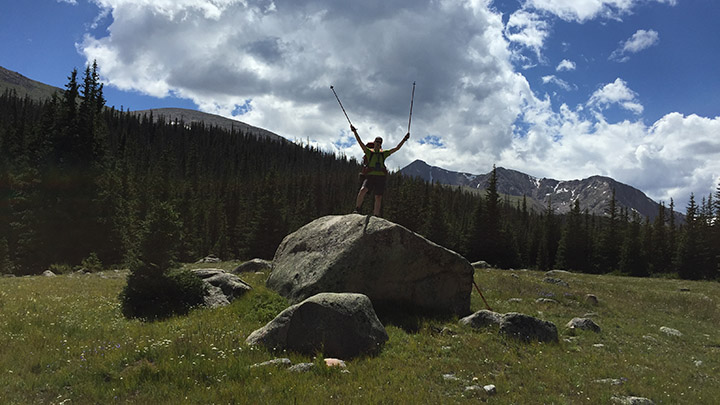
[[80, 180]]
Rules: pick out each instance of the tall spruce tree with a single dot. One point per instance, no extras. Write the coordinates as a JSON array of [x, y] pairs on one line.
[[689, 262], [633, 260], [572, 249]]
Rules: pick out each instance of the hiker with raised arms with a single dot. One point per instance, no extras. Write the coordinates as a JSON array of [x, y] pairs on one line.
[[375, 171]]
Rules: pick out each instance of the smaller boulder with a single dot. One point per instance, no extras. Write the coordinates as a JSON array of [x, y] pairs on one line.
[[591, 299], [527, 328], [253, 266], [556, 272], [340, 325], [583, 323], [48, 273]]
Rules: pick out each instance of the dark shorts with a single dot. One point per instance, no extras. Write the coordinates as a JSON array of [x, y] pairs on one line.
[[376, 184]]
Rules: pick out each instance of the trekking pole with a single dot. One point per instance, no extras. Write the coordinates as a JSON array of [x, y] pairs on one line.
[[481, 295], [412, 99], [341, 106]]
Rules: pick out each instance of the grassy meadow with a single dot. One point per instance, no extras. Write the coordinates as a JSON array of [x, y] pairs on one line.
[[63, 340]]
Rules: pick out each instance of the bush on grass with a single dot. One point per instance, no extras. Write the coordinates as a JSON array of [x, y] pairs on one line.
[[151, 294]]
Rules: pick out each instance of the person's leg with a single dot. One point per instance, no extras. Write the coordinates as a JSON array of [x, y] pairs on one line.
[[360, 197], [379, 190], [378, 204]]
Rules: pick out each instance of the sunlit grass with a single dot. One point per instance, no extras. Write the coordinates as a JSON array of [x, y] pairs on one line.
[[64, 338]]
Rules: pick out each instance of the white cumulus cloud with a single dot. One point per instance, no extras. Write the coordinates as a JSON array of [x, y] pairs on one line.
[[639, 41], [565, 65], [585, 10], [275, 62], [616, 92]]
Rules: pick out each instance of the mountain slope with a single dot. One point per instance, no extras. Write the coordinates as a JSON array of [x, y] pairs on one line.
[[189, 116], [41, 91], [594, 192], [24, 86]]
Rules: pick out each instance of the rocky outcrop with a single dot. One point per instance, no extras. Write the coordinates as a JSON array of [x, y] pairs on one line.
[[390, 264]]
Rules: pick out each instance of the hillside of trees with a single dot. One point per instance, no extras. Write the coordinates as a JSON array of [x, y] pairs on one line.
[[79, 180]]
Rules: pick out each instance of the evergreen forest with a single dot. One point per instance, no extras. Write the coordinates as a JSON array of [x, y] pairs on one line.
[[80, 183]]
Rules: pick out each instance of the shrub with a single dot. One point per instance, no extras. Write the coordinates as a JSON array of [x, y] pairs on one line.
[[92, 263], [58, 268], [152, 294]]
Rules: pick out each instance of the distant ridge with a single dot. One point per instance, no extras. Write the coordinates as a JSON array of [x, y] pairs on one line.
[[595, 193], [41, 91], [24, 86], [189, 116]]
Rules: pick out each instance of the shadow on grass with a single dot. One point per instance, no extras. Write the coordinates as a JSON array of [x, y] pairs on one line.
[[408, 318]]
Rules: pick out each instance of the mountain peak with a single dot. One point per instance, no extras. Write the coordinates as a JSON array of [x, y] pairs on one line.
[[594, 192]]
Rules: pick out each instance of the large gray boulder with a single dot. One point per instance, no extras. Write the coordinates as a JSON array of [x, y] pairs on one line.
[[392, 265], [340, 325]]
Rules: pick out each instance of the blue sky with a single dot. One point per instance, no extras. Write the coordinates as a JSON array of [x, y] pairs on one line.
[[554, 88]]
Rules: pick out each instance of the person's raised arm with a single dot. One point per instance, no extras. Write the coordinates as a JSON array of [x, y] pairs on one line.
[[357, 137], [395, 149]]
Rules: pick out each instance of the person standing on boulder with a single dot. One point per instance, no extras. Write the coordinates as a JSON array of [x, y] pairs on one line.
[[375, 172]]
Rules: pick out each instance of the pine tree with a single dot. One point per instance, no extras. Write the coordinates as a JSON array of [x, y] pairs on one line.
[[660, 253], [609, 243], [547, 247], [572, 249], [688, 259], [632, 256]]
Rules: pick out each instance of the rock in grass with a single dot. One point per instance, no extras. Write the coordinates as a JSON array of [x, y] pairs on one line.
[[253, 266], [527, 328], [482, 319], [301, 367], [542, 300], [632, 401], [556, 272], [230, 285], [340, 325], [331, 362], [284, 362], [670, 331], [583, 323], [611, 381], [591, 299], [395, 267], [556, 281]]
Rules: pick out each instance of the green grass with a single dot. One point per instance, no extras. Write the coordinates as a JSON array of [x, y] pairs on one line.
[[63, 338]]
